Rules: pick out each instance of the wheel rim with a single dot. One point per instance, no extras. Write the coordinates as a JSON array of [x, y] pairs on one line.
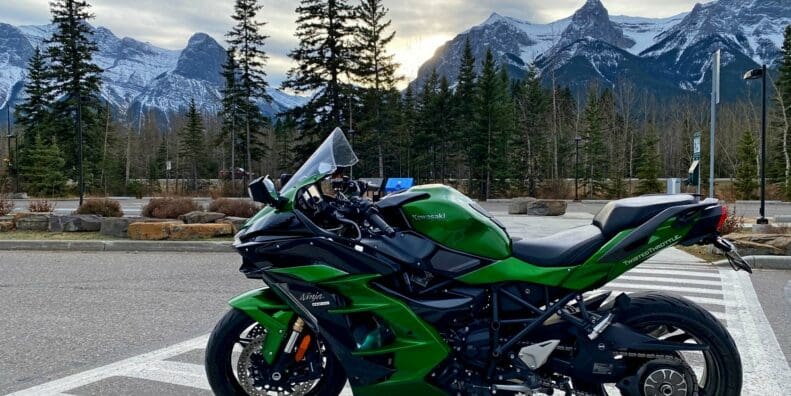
[[257, 378]]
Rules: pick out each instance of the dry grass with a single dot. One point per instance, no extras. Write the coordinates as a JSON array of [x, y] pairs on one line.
[[53, 236], [170, 208], [234, 207], [41, 206], [102, 207]]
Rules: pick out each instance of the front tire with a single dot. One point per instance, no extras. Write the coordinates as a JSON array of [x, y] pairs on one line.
[[219, 363]]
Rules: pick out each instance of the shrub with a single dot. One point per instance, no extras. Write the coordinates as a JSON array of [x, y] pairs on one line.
[[6, 205], [169, 208], [102, 207], [234, 207], [41, 206]]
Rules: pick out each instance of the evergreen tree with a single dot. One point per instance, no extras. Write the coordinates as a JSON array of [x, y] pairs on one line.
[[781, 113], [746, 169], [42, 165], [32, 113], [595, 153], [323, 57], [648, 164], [231, 114], [76, 81], [191, 143], [532, 105], [374, 69], [492, 114], [408, 127], [247, 45], [464, 109], [424, 140]]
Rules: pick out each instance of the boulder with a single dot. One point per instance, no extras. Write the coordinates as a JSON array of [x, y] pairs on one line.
[[199, 217], [546, 207], [118, 227], [236, 222], [150, 231], [19, 196], [519, 205], [761, 244], [33, 222], [75, 223], [187, 232], [6, 226]]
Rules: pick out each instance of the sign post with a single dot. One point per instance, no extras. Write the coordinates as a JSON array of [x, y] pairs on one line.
[[696, 155], [715, 99]]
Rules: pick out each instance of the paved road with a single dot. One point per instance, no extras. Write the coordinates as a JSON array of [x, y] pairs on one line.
[[119, 324]]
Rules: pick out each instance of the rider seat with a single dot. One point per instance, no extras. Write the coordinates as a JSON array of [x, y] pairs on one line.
[[574, 246]]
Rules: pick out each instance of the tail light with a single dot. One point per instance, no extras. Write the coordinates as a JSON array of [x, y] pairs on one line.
[[723, 218]]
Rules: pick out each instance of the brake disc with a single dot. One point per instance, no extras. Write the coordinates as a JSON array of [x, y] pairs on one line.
[[258, 378]]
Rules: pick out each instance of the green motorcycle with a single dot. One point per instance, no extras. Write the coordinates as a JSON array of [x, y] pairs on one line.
[[423, 292]]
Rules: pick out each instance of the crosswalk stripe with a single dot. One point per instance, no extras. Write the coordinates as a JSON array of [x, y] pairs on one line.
[[179, 373], [670, 280], [707, 268], [699, 300], [638, 270], [677, 289]]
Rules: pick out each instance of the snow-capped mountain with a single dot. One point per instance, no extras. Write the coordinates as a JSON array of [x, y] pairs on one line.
[[138, 77], [667, 55]]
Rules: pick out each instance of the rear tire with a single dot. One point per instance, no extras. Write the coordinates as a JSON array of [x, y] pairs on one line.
[[219, 366], [647, 309]]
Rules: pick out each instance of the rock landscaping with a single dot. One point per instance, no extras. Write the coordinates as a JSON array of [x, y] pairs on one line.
[[198, 217], [75, 223], [762, 244], [32, 221], [537, 207]]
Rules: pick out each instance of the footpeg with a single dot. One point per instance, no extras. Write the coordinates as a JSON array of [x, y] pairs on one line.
[[599, 327], [536, 355]]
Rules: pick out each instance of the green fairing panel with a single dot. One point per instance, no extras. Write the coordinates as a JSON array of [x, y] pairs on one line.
[[263, 306], [311, 273], [591, 274], [448, 218], [417, 348]]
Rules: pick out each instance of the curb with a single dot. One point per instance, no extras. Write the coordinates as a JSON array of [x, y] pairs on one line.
[[763, 262], [117, 246]]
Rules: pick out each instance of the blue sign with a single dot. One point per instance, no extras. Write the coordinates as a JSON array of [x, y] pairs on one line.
[[396, 184]]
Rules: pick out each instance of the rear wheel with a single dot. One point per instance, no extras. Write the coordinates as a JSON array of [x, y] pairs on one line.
[[235, 364], [715, 371]]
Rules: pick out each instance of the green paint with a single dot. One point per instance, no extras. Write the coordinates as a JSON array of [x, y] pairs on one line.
[[418, 348], [513, 269], [447, 218], [311, 273], [271, 313]]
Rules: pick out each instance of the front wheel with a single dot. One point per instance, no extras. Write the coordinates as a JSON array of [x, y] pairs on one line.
[[236, 366]]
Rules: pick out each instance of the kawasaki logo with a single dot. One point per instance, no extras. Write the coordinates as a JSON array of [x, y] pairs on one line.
[[429, 217], [651, 251]]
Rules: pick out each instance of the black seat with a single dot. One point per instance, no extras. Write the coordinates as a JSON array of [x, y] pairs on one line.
[[627, 213], [564, 249]]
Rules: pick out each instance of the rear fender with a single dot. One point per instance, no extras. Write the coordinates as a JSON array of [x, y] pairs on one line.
[[266, 308]]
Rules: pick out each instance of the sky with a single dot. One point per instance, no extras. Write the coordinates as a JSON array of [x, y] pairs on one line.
[[421, 25]]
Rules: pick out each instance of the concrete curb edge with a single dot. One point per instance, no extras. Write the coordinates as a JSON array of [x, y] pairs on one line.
[[763, 262], [118, 246]]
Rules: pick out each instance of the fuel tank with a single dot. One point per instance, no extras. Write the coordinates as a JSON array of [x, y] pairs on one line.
[[451, 219]]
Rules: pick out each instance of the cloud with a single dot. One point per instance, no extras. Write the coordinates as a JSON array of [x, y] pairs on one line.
[[421, 25]]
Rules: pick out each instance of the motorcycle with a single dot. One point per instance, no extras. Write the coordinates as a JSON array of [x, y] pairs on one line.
[[423, 292]]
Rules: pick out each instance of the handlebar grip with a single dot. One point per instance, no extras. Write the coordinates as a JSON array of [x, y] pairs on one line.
[[380, 223]]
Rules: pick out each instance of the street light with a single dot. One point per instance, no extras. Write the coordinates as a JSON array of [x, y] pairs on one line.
[[577, 141], [755, 74]]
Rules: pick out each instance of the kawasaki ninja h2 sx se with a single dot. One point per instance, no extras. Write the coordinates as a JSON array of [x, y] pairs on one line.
[[424, 292]]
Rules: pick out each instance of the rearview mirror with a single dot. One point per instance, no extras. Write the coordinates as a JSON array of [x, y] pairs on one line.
[[263, 190]]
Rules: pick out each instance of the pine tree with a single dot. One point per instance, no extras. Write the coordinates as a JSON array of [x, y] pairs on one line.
[[595, 153], [42, 165], [464, 109], [746, 168], [532, 105], [32, 113], [191, 143], [408, 127], [374, 69], [231, 114], [492, 114], [648, 164], [246, 44], [781, 111], [323, 57], [76, 80]]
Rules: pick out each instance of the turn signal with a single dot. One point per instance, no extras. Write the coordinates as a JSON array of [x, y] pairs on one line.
[[723, 218]]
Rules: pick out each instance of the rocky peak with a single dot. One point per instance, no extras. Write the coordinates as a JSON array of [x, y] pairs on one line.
[[202, 59], [592, 20]]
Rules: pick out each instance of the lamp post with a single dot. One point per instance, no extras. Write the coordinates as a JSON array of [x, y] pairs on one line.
[[755, 74], [577, 140]]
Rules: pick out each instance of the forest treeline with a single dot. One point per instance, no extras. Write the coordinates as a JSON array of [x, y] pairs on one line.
[[487, 134]]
